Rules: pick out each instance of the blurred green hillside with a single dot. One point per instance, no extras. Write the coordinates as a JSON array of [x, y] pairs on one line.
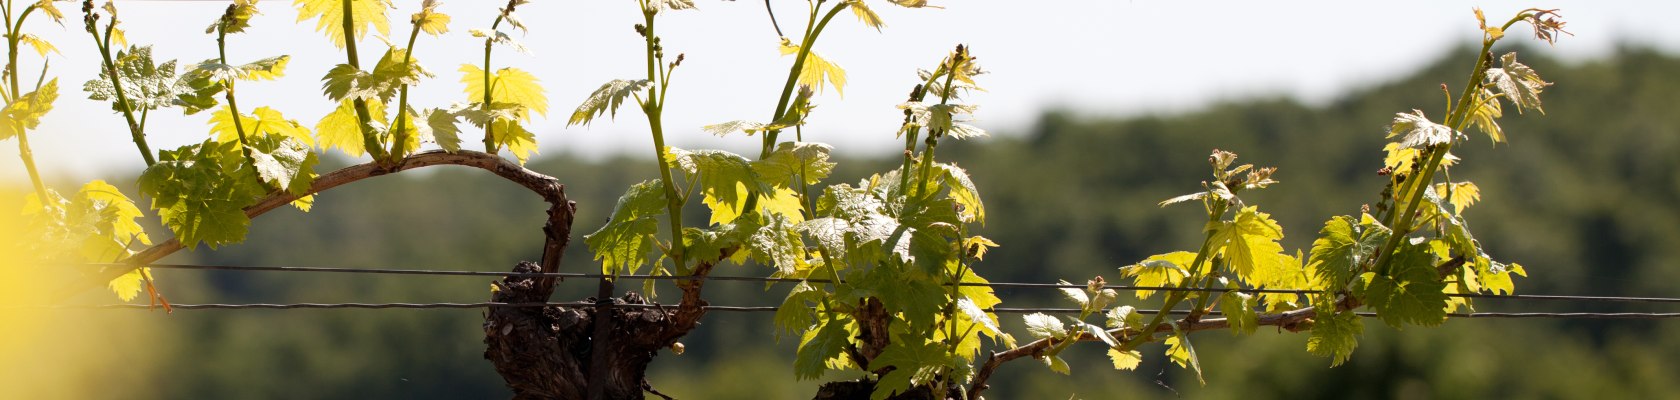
[[1587, 197]]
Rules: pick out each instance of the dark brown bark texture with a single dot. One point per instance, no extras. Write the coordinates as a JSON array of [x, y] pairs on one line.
[[546, 353]]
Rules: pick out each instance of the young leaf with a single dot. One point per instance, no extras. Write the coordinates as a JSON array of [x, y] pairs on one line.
[[1159, 270], [284, 163], [817, 69], [797, 312], [330, 17], [25, 113], [974, 313], [793, 160], [1461, 195], [508, 85], [442, 124], [623, 243], [818, 346], [501, 38], [1123, 317], [914, 361], [866, 15], [510, 135], [607, 99], [200, 191], [1411, 292], [1417, 131], [1485, 113], [1125, 360], [660, 5], [719, 174], [1520, 84], [1076, 295], [1335, 335], [1342, 246], [343, 130], [147, 86], [429, 20], [1182, 353], [1238, 308], [963, 192], [1251, 245], [1043, 326]]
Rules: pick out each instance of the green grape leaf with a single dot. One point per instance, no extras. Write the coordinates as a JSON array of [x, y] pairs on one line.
[[1342, 246], [963, 192], [25, 113], [1461, 194], [501, 38], [1125, 360], [429, 20], [818, 346], [866, 15], [1168, 269], [236, 19], [1417, 131], [200, 192], [911, 292], [197, 91], [792, 160], [510, 135], [1520, 84], [284, 163], [42, 47], [343, 130], [606, 100], [747, 127], [622, 245], [719, 175], [508, 85], [329, 15], [1335, 335], [816, 70], [1485, 114], [1181, 352], [1044, 326], [974, 313], [778, 244], [148, 86], [914, 361], [1238, 308], [912, 3], [346, 81], [1411, 292], [798, 310], [660, 5], [444, 130], [266, 69], [1251, 247], [1076, 295], [128, 286], [1123, 317]]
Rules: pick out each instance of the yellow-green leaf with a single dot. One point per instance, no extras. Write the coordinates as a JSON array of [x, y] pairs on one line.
[[817, 69], [1160, 270], [866, 15], [507, 85], [42, 47], [329, 16], [1125, 360], [429, 20], [341, 129]]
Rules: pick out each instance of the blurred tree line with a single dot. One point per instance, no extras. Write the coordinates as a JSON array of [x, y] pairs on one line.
[[1587, 197]]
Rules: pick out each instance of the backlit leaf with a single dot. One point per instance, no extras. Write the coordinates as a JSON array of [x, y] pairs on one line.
[[818, 346], [1417, 132], [1520, 84], [607, 99], [1181, 352], [623, 243], [1335, 335], [25, 113], [329, 15], [1125, 360], [508, 85], [866, 15], [444, 130], [1159, 270], [816, 70], [1042, 326], [1410, 292]]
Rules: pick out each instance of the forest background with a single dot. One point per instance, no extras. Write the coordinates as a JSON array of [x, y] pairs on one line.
[[1588, 197]]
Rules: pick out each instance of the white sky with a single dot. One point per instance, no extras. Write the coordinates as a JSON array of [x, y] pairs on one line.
[[1098, 57]]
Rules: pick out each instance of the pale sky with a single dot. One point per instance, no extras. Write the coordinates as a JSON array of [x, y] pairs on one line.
[[1096, 57]]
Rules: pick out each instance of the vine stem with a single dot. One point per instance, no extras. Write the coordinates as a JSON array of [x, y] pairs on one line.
[[811, 33], [653, 107], [370, 138], [233, 105], [135, 129], [1402, 222], [1175, 297], [547, 187], [399, 141], [489, 126], [13, 34]]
